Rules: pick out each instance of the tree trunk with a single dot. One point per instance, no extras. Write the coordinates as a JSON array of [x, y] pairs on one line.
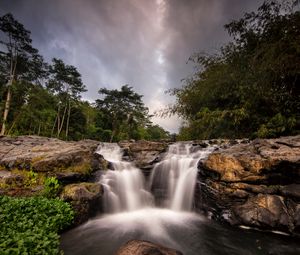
[[112, 136], [52, 130], [13, 66], [56, 120], [39, 129], [62, 121], [6, 109], [14, 122], [68, 120], [113, 129]]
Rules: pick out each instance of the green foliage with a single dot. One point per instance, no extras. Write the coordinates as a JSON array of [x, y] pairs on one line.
[[51, 187], [46, 98], [251, 87], [31, 225], [155, 132], [32, 179], [123, 112]]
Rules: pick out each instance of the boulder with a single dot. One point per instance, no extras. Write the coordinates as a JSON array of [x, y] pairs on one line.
[[264, 211], [9, 178], [140, 247], [85, 199], [49, 155], [261, 161], [143, 153], [256, 184]]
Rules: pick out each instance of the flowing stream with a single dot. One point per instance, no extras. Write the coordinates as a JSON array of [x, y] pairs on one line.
[[161, 210]]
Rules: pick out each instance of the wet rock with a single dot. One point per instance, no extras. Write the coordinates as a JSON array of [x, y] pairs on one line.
[[9, 178], [85, 199], [43, 154], [258, 183], [264, 211], [276, 160], [139, 247], [143, 153], [292, 190]]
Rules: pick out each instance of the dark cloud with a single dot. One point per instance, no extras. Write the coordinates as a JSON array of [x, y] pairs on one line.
[[142, 43]]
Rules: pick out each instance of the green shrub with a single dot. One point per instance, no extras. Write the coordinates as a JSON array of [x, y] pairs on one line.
[[51, 187], [32, 179], [31, 225]]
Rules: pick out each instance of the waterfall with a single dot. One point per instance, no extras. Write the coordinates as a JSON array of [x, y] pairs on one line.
[[124, 187], [172, 181]]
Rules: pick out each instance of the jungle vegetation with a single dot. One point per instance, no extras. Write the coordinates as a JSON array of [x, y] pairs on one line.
[[251, 86]]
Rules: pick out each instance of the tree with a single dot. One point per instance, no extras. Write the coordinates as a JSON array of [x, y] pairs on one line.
[[251, 87], [123, 110], [32, 110], [155, 132], [65, 81], [19, 60]]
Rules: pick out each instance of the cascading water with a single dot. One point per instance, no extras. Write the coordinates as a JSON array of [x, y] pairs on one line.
[[132, 214], [124, 186], [174, 178]]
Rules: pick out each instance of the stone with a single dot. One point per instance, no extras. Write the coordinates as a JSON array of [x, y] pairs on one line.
[[9, 178], [264, 211], [256, 183], [144, 154], [292, 190], [43, 154], [258, 161], [140, 247], [85, 198]]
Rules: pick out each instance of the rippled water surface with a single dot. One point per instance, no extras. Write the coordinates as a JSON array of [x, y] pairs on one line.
[[190, 233], [134, 212]]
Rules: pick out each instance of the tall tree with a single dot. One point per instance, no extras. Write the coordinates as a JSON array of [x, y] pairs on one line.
[[125, 109], [251, 87], [65, 81], [19, 60]]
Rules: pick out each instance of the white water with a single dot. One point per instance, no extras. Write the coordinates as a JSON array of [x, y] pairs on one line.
[[124, 187], [176, 175], [134, 215], [172, 180]]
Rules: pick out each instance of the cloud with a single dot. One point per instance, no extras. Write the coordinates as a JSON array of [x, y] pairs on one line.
[[138, 42]]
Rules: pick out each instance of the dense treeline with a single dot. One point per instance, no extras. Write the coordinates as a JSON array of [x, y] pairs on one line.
[[250, 88], [38, 98]]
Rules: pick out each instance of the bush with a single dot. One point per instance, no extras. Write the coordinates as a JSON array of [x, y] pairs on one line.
[[31, 225], [51, 187]]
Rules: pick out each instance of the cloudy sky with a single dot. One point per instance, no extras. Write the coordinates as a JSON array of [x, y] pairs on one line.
[[143, 43]]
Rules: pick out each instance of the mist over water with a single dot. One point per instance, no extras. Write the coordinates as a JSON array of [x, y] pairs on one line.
[[124, 187], [174, 178], [160, 211]]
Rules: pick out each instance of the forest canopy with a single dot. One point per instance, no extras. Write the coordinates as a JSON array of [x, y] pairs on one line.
[[39, 98], [250, 88]]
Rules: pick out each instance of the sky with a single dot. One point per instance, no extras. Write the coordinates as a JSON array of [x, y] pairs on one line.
[[143, 43]]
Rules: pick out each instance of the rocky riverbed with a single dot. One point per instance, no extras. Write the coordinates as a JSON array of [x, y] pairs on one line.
[[26, 161], [255, 184]]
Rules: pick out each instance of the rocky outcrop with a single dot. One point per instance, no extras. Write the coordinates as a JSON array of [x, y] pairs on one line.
[[85, 198], [255, 184], [139, 247], [144, 154], [67, 161]]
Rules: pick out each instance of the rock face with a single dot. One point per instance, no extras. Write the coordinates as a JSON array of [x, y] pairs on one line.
[[139, 247], [66, 160], [144, 154], [26, 161], [85, 199], [255, 184]]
